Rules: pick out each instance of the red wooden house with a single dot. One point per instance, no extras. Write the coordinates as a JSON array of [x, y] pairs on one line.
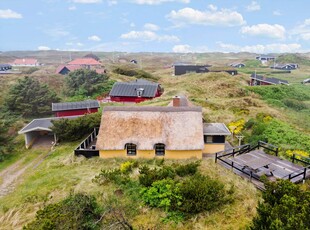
[[66, 109], [135, 91]]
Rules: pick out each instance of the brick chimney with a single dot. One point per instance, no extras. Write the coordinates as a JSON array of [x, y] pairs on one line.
[[176, 101]]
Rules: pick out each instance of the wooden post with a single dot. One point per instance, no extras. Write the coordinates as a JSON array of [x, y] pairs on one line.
[[233, 153], [293, 158], [250, 175], [232, 166], [277, 151], [304, 176], [215, 157]]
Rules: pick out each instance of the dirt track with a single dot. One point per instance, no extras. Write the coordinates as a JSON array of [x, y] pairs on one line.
[[11, 176]]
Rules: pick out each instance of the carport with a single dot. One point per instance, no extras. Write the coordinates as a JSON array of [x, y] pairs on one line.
[[39, 129]]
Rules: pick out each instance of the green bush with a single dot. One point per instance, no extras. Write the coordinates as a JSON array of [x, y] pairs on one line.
[[75, 212], [295, 104], [187, 169], [163, 194], [85, 82], [201, 193], [149, 176], [286, 206], [111, 175], [133, 72], [75, 129]]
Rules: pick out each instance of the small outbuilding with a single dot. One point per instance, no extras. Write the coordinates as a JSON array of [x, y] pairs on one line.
[[66, 109], [214, 135], [39, 132], [5, 67]]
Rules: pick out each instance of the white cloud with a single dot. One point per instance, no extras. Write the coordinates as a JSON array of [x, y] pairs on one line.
[[265, 30], [6, 14], [181, 49], [147, 35], [276, 13], [268, 48], [157, 2], [87, 1], [212, 7], [112, 2], [302, 31], [74, 44], [94, 38], [72, 8], [223, 17], [150, 26], [189, 49], [44, 48], [254, 6]]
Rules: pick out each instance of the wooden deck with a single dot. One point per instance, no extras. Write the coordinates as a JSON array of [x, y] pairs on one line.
[[256, 163]]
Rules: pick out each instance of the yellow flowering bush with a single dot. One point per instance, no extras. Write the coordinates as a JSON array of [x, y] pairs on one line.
[[300, 153], [236, 126], [127, 167]]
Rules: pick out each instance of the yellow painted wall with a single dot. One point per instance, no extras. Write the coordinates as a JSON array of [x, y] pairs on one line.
[[213, 148], [169, 154]]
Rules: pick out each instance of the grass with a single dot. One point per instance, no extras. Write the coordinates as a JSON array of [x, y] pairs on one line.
[[62, 173]]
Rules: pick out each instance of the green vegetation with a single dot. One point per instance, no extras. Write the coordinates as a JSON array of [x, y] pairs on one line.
[[75, 129], [285, 206], [133, 72], [252, 63], [83, 83], [268, 129], [190, 193], [293, 58], [28, 97], [78, 211], [30, 70]]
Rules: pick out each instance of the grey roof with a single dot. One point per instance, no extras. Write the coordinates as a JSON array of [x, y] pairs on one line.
[[5, 65], [75, 105], [42, 124], [153, 108], [265, 56], [271, 80], [215, 129], [129, 89]]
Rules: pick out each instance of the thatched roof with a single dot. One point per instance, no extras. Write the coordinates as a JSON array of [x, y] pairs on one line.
[[179, 128]]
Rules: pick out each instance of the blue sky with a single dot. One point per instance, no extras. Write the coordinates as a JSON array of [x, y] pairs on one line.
[[156, 25]]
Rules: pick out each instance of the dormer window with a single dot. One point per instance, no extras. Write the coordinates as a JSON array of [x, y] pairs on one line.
[[131, 149], [159, 149], [140, 92]]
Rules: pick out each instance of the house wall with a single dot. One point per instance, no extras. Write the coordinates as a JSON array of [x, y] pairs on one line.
[[130, 99], [75, 112], [259, 82], [183, 69], [169, 154], [213, 148]]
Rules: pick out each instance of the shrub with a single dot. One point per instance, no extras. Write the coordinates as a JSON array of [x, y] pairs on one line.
[[75, 212], [75, 129], [133, 72], [110, 175], [148, 176], [285, 206], [295, 104], [201, 193], [127, 166], [188, 169], [162, 194]]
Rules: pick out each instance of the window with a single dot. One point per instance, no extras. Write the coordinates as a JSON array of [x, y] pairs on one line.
[[131, 149], [214, 139], [159, 149]]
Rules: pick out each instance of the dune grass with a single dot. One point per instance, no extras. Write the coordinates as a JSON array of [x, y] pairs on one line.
[[62, 173]]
